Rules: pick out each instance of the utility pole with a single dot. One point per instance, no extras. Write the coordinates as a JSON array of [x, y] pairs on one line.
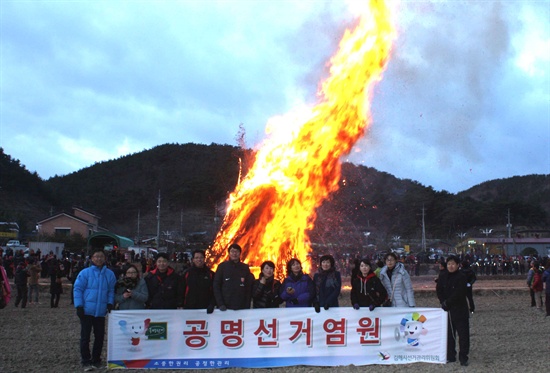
[[181, 224], [138, 223], [509, 225], [423, 230], [158, 222]]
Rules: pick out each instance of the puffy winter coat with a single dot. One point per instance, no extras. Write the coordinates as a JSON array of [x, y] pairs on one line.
[[140, 294], [399, 287], [304, 291], [94, 288]]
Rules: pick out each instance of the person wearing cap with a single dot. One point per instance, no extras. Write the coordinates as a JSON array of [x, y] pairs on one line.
[[94, 296], [233, 282]]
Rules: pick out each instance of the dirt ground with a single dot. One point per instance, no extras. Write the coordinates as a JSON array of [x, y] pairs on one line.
[[506, 334]]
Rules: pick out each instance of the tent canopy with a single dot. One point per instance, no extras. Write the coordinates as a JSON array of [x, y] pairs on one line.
[[100, 239]]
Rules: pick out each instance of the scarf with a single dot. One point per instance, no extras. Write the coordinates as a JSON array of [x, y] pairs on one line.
[[127, 283], [323, 277]]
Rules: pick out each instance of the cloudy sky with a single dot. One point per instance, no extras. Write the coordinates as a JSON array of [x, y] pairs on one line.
[[465, 98]]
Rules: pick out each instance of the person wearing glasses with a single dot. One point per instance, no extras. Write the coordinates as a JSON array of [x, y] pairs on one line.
[[198, 283], [398, 284], [131, 290], [94, 296]]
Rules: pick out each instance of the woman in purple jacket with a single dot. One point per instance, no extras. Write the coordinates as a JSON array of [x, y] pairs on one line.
[[298, 289]]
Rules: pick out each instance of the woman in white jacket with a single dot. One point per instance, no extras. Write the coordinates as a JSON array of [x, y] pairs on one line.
[[397, 282]]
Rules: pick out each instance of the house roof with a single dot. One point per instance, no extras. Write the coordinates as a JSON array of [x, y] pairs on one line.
[[86, 211], [108, 238], [53, 217]]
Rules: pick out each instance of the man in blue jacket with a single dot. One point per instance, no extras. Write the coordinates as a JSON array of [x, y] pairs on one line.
[[94, 296]]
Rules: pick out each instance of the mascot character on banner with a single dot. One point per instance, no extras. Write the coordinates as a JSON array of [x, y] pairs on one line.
[[134, 331], [411, 330]]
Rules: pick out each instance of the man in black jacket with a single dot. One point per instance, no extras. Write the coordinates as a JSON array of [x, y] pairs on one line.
[[198, 292], [451, 292], [233, 282], [164, 286], [21, 275]]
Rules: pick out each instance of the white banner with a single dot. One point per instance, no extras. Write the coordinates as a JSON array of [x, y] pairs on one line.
[[262, 338]]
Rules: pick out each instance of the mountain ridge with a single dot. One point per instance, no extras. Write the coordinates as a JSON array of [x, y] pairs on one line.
[[194, 180]]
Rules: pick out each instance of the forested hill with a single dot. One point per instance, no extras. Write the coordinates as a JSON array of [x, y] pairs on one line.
[[194, 181]]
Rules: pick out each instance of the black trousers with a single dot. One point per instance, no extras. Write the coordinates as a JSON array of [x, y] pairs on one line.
[[54, 300], [87, 323], [470, 296], [458, 325], [21, 296]]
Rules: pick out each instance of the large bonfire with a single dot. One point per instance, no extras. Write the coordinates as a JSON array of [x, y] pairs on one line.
[[273, 208]]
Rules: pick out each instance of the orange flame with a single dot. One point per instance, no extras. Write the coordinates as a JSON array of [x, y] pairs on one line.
[[273, 208]]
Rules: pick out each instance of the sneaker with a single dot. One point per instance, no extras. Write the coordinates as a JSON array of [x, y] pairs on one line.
[[88, 367], [98, 365]]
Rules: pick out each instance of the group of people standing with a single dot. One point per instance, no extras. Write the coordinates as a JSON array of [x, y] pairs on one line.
[[97, 290], [233, 287], [26, 280]]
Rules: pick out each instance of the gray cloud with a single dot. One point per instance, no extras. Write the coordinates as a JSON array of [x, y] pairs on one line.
[[454, 107]]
